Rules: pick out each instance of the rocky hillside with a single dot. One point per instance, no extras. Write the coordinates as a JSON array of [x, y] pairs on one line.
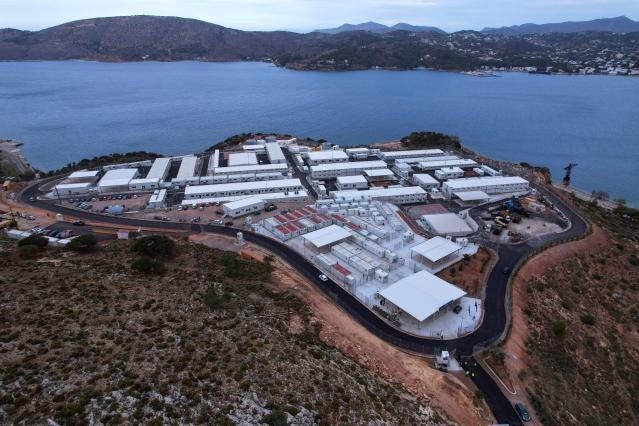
[[195, 337], [137, 38]]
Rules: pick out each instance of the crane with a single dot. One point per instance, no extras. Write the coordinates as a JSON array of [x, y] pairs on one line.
[[568, 170]]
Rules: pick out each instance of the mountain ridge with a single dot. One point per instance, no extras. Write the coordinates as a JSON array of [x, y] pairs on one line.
[[376, 27], [619, 24]]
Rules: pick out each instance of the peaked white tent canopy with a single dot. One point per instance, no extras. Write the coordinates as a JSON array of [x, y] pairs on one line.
[[421, 294], [436, 248]]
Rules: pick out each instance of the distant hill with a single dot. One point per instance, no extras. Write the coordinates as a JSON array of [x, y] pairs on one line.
[[619, 25], [375, 27]]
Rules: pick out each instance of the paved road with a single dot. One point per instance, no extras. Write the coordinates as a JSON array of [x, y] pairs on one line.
[[495, 310]]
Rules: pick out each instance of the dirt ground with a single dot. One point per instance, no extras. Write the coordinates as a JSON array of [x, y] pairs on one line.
[[470, 276], [452, 393], [514, 347]]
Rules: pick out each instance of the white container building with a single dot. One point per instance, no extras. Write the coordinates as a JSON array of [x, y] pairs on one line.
[[144, 184], [437, 164], [243, 206], [358, 153], [76, 188], [314, 158], [449, 173], [243, 188], [274, 153], [426, 181], [157, 199], [487, 184], [333, 170], [394, 155], [401, 195], [351, 182], [257, 168]]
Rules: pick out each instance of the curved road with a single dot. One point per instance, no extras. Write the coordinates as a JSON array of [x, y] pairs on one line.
[[495, 309]]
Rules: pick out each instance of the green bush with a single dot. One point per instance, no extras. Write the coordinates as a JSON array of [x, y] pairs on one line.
[[29, 251], [83, 243], [146, 265], [34, 240], [154, 246], [588, 319], [559, 328], [276, 418]]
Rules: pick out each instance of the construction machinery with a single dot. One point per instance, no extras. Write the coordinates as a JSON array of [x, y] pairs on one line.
[[568, 170]]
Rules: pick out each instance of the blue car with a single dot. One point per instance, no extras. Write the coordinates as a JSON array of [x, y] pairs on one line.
[[522, 412]]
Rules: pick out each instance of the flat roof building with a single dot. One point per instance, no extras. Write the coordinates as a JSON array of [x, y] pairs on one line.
[[415, 160], [243, 188], [159, 169], [275, 153], [157, 199], [438, 164], [379, 174], [448, 224], [332, 170], [487, 184], [117, 180], [394, 155], [271, 196], [243, 206], [242, 159], [351, 182], [449, 173], [425, 180], [422, 294], [257, 168], [400, 195], [144, 184], [76, 188], [358, 153], [330, 156]]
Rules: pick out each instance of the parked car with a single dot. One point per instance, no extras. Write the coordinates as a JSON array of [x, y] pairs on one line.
[[217, 222], [323, 277], [78, 223], [229, 223], [70, 233], [457, 309], [522, 412], [54, 234]]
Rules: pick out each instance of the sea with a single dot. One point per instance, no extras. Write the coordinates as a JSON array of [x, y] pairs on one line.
[[64, 111]]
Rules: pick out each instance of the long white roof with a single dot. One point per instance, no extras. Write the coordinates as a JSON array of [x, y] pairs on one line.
[[425, 179], [270, 196], [187, 167], [352, 179], [437, 164], [421, 294], [331, 154], [391, 155], [326, 236], [243, 202], [376, 164], [472, 195], [436, 248], [83, 174], [377, 192], [378, 172], [252, 168], [159, 168], [73, 185], [242, 158], [242, 186], [274, 152], [117, 177], [483, 181]]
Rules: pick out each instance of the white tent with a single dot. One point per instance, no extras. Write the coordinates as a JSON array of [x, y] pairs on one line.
[[436, 248], [421, 294]]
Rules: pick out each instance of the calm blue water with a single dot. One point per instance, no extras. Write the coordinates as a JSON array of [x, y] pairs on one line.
[[66, 111]]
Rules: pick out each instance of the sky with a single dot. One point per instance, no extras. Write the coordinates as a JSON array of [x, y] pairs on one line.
[[307, 15]]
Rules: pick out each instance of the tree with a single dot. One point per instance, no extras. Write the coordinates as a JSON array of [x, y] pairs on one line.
[[29, 251], [154, 246], [148, 266], [83, 243], [34, 240]]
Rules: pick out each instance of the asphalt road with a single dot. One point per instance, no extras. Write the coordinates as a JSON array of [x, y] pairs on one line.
[[495, 309]]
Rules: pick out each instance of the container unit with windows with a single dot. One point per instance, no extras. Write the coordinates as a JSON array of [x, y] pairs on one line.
[[487, 184]]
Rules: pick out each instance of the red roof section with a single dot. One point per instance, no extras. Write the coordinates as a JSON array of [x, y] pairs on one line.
[[339, 268]]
